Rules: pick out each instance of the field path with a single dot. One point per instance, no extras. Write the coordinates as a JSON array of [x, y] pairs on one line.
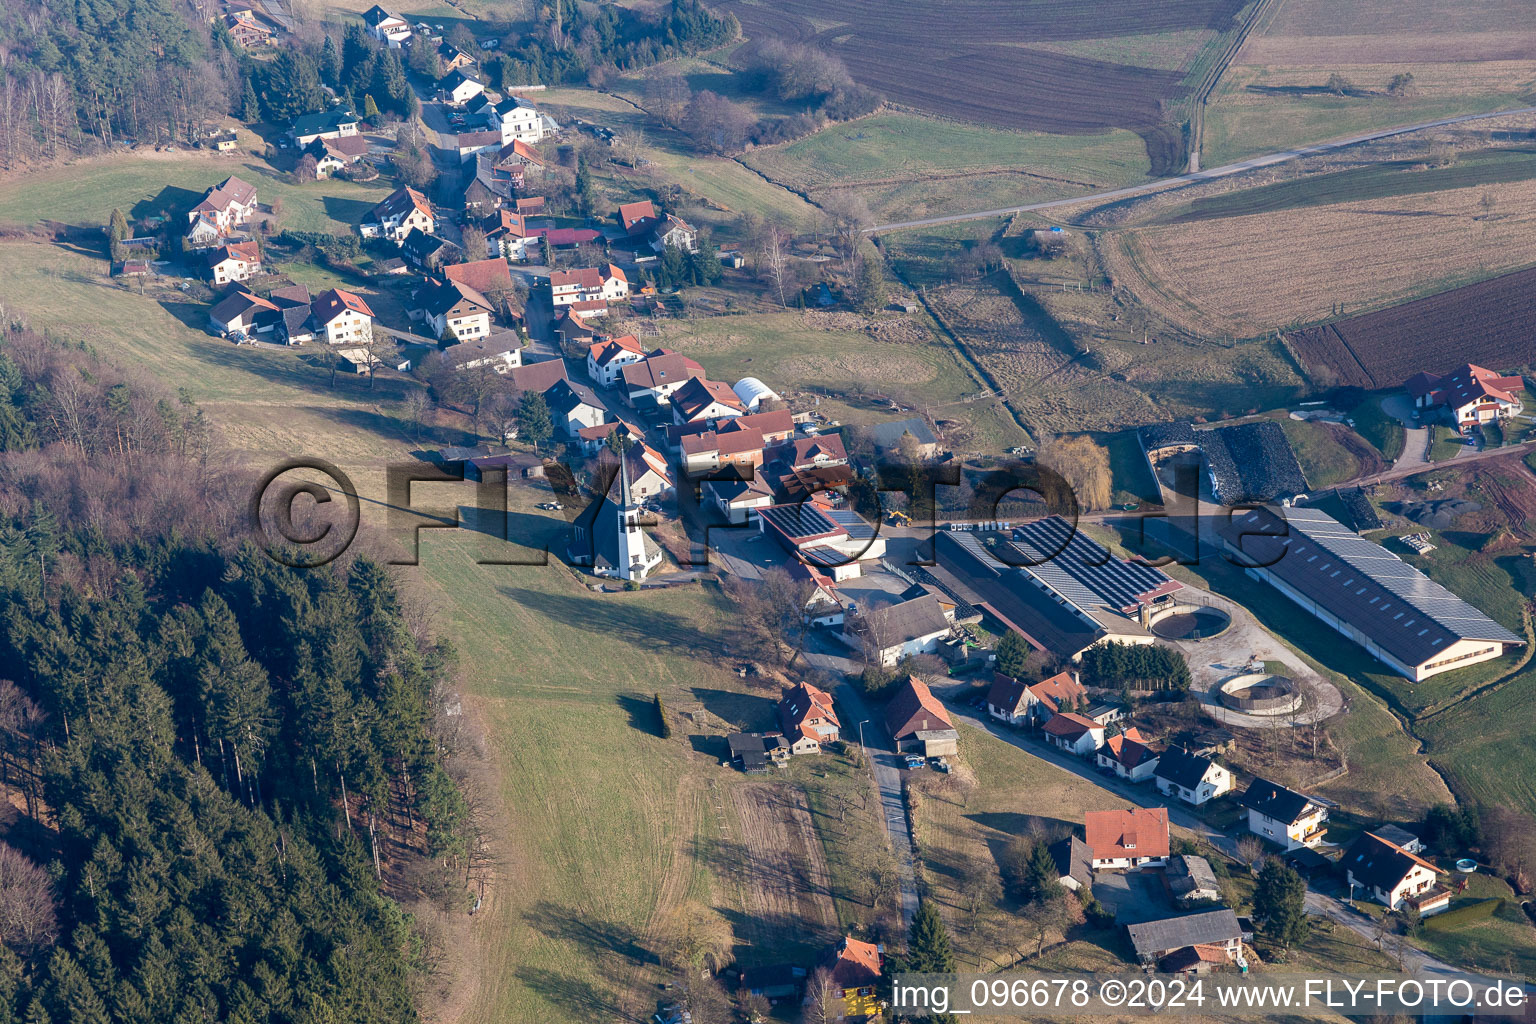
[[1224, 171]]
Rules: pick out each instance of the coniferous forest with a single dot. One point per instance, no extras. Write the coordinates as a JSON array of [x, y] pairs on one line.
[[210, 765]]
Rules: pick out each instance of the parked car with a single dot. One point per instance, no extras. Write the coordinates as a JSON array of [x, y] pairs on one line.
[[914, 761]]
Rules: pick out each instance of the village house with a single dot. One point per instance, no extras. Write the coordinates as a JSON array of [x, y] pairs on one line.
[[335, 123], [405, 210], [571, 330], [806, 713], [332, 155], [236, 313], [1074, 862], [675, 232], [1284, 817], [246, 30], [1399, 837], [638, 217], [918, 722], [1470, 394], [500, 350], [573, 406], [236, 261], [489, 277], [774, 426], [1191, 778], [341, 317], [509, 236], [754, 752], [615, 285], [804, 453], [652, 381], [386, 28], [471, 145], [606, 361], [1009, 699], [519, 163], [738, 500], [1191, 880], [453, 58], [710, 451], [1393, 876], [227, 206], [540, 376], [1127, 840], [825, 606], [1215, 934], [458, 87], [426, 253], [1129, 754], [289, 322], [1053, 694], [649, 476], [701, 400], [512, 120], [451, 309], [1073, 733], [595, 438], [895, 631], [589, 284], [855, 970]]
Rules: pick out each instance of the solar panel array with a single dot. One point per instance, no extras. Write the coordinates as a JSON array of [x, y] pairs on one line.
[[804, 519], [1405, 612], [1081, 569], [852, 522]]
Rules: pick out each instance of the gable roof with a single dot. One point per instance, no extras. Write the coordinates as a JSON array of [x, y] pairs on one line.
[[1007, 693], [481, 275], [245, 252], [1182, 768], [1133, 832], [914, 709], [895, 624], [1275, 801], [1470, 383], [853, 964], [583, 277], [443, 296], [613, 348], [323, 121], [660, 369], [1210, 927], [1058, 690], [1070, 726], [637, 215], [803, 703], [1130, 748], [539, 376], [1074, 859], [400, 203], [230, 190], [1379, 863], [802, 451], [457, 77], [779, 421], [700, 393], [565, 395], [238, 304], [332, 302], [419, 244]]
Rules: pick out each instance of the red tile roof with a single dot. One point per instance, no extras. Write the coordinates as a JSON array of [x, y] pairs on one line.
[[854, 964], [1059, 690], [635, 216], [1130, 748], [1134, 832], [915, 709], [1070, 726], [660, 369], [699, 394], [330, 303], [585, 277], [481, 275]]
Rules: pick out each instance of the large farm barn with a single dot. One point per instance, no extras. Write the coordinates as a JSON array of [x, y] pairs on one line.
[[1039, 67]]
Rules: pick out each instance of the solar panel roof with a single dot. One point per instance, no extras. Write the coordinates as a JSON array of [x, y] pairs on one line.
[[1406, 613], [1081, 569]]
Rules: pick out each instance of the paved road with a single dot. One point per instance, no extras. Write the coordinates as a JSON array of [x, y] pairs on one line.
[[882, 755], [1402, 470], [1224, 171], [1318, 903]]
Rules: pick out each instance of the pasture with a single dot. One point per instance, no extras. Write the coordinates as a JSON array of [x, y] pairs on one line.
[[1304, 265], [146, 183], [912, 165], [980, 63], [857, 366]]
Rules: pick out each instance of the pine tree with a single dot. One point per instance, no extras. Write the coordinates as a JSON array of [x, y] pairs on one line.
[[1279, 903], [330, 63], [370, 109], [586, 194], [871, 280], [1012, 655], [1042, 878], [533, 422], [250, 110], [928, 950], [117, 230], [674, 267]]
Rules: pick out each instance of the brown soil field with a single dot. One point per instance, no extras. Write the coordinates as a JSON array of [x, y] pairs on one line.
[[1251, 275], [1367, 31], [978, 66], [777, 867], [1491, 322]]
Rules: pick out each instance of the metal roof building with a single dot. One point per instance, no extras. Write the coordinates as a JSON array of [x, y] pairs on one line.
[[1362, 590]]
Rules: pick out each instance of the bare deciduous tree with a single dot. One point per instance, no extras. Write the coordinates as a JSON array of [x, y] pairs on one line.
[[27, 916]]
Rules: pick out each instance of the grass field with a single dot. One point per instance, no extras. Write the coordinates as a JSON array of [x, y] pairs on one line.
[[1445, 443], [912, 165], [1302, 265], [86, 192], [857, 371], [1325, 461], [1384, 432], [1463, 59]]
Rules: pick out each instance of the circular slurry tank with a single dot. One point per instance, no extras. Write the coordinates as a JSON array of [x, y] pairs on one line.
[[1190, 622], [1259, 693]]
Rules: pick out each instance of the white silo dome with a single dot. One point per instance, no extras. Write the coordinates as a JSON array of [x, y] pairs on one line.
[[752, 391]]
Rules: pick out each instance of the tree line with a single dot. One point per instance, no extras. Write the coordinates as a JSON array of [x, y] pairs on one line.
[[219, 758]]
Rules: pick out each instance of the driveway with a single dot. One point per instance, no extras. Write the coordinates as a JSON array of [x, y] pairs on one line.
[[1416, 434], [882, 757]]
